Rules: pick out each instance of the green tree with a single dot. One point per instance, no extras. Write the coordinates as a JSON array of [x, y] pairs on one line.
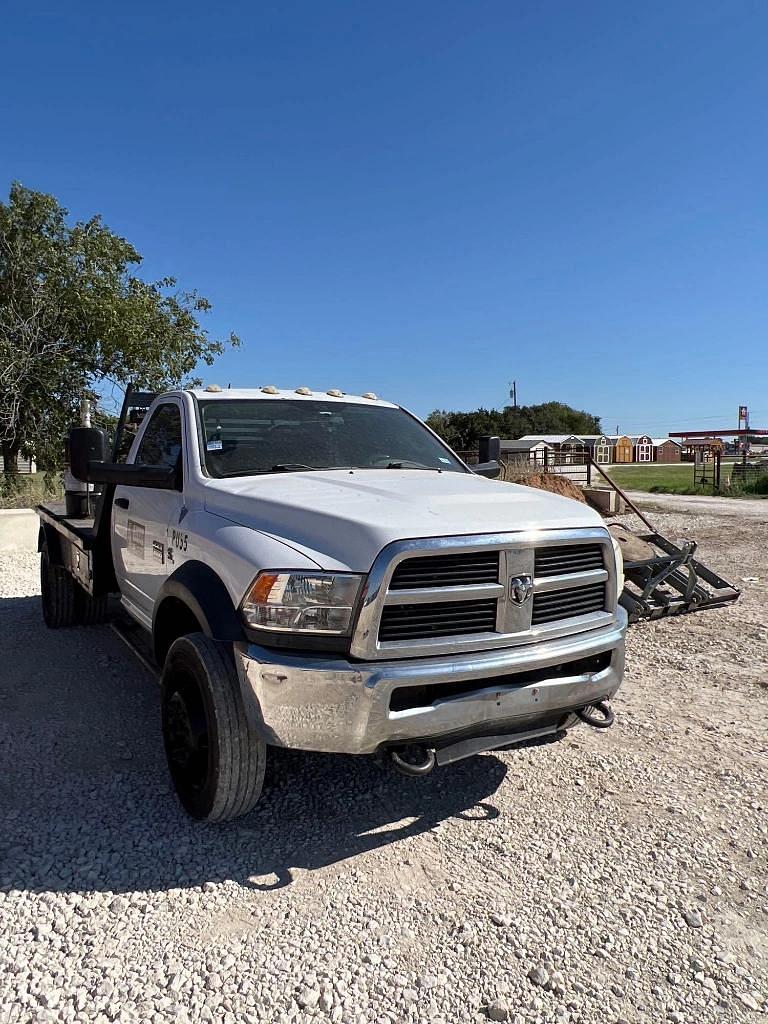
[[462, 429], [73, 313]]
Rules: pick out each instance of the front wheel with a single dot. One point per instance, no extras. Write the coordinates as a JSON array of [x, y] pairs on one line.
[[215, 756]]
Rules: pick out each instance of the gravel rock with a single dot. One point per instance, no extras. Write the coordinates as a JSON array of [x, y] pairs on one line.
[[693, 918], [748, 1000], [355, 896], [538, 976], [308, 998], [498, 1010]]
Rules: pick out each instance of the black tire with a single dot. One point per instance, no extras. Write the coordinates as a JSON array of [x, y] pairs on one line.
[[215, 756], [93, 610], [59, 594]]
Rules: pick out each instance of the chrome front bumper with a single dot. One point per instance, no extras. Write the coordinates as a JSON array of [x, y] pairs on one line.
[[311, 702]]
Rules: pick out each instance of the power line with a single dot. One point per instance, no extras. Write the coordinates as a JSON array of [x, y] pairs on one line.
[[724, 417]]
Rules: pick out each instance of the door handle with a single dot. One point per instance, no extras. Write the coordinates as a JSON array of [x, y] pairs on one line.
[[122, 502]]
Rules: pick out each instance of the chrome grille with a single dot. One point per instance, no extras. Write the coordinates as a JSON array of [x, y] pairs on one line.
[[565, 604], [444, 618], [460, 570], [566, 558], [451, 594]]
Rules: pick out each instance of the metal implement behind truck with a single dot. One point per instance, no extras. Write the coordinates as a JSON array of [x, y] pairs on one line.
[[320, 571], [662, 577]]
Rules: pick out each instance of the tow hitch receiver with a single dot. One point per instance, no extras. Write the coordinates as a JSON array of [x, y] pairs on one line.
[[598, 715]]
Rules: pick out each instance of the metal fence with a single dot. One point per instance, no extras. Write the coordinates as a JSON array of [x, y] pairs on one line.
[[749, 472], [576, 465], [579, 467], [470, 457]]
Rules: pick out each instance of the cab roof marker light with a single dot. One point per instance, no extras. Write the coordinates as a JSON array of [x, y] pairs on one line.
[[370, 395], [270, 389], [303, 391], [213, 387], [335, 393]]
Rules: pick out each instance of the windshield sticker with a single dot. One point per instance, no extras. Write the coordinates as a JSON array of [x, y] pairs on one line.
[[214, 446], [446, 461]]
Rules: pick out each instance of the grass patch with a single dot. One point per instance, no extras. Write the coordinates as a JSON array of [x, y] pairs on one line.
[[757, 487], [28, 490], [679, 478], [674, 478]]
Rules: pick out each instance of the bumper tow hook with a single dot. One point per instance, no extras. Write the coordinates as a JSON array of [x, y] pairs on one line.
[[412, 760], [598, 715]]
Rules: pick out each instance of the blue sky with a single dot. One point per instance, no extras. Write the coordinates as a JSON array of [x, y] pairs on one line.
[[428, 199]]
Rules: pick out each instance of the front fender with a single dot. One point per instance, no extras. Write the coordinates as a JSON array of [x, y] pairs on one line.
[[199, 587]]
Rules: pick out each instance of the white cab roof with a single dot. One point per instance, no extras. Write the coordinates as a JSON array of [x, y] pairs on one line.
[[285, 393]]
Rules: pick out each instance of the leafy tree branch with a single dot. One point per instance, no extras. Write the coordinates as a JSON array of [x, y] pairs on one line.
[[74, 312]]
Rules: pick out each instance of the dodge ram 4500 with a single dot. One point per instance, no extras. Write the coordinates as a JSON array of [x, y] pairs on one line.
[[320, 571]]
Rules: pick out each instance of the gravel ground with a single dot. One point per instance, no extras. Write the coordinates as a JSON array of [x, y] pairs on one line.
[[615, 876]]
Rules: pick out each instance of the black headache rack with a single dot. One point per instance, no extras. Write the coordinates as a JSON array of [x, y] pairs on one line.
[[135, 405], [84, 542], [661, 577]]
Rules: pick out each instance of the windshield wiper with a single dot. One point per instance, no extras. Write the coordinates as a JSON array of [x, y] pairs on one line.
[[412, 465], [291, 467]]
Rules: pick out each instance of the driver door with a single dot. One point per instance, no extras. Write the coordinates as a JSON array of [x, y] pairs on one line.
[[141, 515]]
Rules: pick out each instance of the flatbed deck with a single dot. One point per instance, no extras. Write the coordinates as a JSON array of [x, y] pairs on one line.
[[80, 544], [82, 530]]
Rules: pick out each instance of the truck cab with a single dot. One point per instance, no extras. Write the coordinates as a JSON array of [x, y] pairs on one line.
[[320, 571]]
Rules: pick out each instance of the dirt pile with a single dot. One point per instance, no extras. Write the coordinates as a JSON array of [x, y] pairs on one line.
[[552, 482]]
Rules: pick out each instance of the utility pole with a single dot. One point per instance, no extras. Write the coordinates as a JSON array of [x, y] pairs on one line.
[[513, 393], [744, 425]]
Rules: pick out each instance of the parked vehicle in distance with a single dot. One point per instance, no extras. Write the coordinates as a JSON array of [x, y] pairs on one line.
[[320, 571]]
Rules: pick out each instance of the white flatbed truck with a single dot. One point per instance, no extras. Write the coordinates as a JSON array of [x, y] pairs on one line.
[[320, 571]]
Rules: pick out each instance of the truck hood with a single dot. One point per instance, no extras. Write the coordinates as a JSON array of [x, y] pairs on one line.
[[341, 519]]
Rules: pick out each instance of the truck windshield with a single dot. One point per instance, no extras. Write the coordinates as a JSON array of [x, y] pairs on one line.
[[241, 437]]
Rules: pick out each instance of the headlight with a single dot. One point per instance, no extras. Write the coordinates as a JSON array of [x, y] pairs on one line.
[[302, 602]]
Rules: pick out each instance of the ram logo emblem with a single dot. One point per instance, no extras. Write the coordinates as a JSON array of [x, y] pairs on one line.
[[520, 589]]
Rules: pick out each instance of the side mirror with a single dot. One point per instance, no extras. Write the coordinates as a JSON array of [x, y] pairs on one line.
[[159, 477], [488, 455], [86, 445], [488, 449], [87, 457], [488, 469]]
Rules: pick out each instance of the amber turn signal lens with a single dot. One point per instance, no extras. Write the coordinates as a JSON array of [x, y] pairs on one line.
[[262, 587]]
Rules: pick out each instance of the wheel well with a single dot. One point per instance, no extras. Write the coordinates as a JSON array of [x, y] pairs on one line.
[[173, 619]]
